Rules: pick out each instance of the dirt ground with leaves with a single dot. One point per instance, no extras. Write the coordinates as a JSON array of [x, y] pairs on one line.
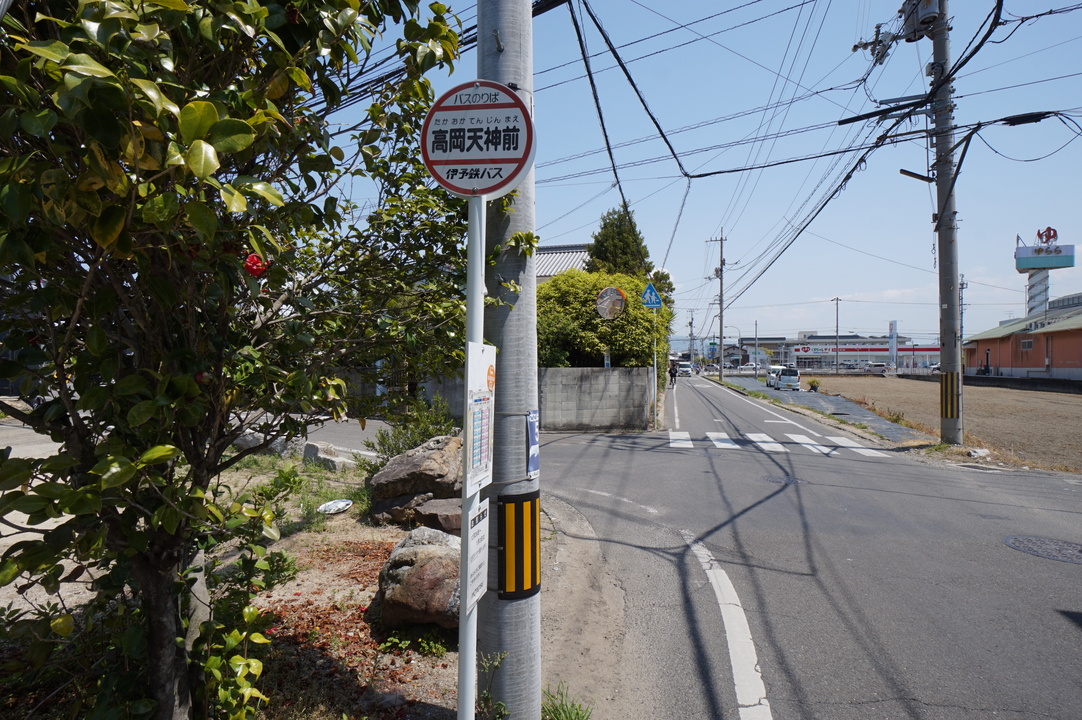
[[330, 659], [329, 656], [1021, 427]]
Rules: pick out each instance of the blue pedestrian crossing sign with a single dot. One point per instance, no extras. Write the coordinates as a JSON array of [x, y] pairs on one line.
[[650, 298]]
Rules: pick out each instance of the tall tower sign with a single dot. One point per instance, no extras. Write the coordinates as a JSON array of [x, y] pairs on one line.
[[1036, 260]]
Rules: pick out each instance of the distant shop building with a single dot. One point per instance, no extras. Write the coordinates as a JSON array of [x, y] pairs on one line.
[[1044, 344], [813, 350]]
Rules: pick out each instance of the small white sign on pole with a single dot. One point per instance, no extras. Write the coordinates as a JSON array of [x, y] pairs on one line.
[[533, 444], [478, 418], [476, 581]]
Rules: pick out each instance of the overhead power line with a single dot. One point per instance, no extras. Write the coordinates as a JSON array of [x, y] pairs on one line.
[[700, 125], [654, 36], [972, 48], [902, 264], [597, 102], [671, 48], [740, 169]]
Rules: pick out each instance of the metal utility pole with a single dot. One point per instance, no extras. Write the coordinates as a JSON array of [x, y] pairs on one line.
[[837, 336], [509, 614], [950, 318], [720, 274], [962, 285], [756, 349], [932, 19], [691, 336]]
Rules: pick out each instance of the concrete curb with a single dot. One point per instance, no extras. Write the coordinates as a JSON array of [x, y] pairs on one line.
[[332, 458]]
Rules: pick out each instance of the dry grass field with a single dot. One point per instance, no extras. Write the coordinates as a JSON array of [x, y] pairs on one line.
[[1040, 429]]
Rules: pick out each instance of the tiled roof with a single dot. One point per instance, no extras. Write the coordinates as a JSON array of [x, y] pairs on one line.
[[554, 259], [1058, 317]]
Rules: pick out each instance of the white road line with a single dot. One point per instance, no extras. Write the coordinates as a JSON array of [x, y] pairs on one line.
[[851, 445], [722, 441], [780, 418], [647, 508], [807, 442], [750, 690], [679, 439], [766, 442], [675, 409]]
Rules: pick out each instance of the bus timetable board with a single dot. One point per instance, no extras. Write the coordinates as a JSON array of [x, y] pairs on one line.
[[477, 421]]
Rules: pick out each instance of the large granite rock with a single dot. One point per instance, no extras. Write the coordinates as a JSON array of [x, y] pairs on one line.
[[441, 514], [327, 456], [422, 486], [435, 467], [419, 582], [400, 510]]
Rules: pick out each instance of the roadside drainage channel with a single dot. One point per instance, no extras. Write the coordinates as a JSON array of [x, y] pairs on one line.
[[836, 406], [1048, 548]]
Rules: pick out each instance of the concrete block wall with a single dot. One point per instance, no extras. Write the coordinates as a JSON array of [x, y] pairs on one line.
[[576, 398], [595, 398], [452, 390]]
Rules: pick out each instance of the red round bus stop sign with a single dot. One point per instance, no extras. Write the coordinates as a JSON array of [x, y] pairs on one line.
[[478, 140]]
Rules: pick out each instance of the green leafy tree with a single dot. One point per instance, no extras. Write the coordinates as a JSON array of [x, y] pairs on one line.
[[176, 270], [571, 333], [619, 247]]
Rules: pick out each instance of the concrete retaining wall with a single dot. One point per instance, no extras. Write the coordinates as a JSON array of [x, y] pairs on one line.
[[577, 398], [452, 390], [595, 398]]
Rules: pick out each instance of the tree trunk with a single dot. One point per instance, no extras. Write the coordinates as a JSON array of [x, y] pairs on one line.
[[158, 595], [196, 612]]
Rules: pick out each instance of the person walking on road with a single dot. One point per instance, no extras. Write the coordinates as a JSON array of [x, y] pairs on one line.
[[672, 375]]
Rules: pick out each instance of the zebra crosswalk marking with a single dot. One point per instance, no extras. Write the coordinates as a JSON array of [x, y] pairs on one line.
[[766, 442], [850, 445], [679, 439], [722, 441], [807, 442]]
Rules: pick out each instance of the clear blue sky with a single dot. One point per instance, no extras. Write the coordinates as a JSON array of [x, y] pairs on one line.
[[735, 84]]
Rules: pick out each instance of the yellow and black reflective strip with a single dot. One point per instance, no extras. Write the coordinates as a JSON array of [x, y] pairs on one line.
[[519, 545], [950, 395]]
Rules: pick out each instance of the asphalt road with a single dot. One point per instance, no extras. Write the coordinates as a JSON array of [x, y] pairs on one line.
[[776, 567]]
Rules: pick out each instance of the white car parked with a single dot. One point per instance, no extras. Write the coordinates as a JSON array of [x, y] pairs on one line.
[[787, 379]]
